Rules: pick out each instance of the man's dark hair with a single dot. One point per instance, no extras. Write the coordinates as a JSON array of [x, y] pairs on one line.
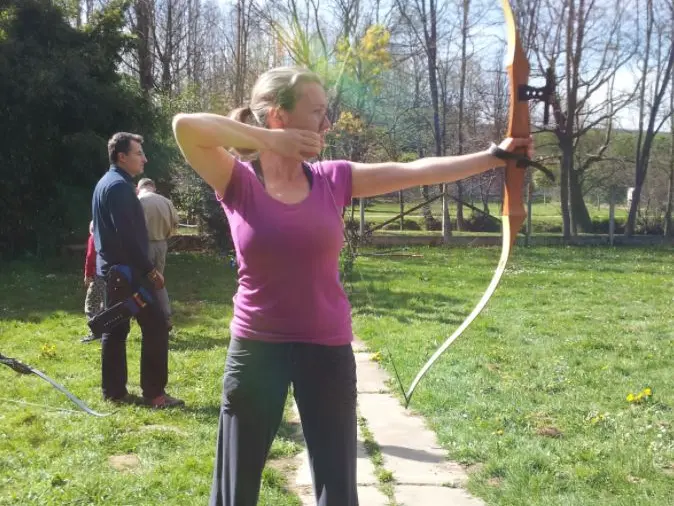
[[121, 143]]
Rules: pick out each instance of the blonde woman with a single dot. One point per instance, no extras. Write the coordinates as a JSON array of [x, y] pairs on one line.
[[292, 320]]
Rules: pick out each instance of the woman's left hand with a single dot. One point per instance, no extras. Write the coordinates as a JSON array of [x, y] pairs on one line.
[[512, 144]]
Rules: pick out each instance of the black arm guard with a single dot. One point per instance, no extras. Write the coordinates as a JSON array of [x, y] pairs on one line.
[[120, 277]]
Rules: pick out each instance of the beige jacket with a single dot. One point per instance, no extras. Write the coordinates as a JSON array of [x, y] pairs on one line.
[[161, 217]]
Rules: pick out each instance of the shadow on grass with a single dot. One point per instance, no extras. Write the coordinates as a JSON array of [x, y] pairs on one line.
[[391, 303], [191, 343], [204, 412]]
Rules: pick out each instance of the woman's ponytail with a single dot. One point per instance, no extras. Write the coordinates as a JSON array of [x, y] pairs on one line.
[[243, 115]]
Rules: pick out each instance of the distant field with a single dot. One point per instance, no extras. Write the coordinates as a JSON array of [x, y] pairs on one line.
[[545, 218]]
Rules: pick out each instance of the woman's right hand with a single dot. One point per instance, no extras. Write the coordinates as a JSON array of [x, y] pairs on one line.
[[296, 144]]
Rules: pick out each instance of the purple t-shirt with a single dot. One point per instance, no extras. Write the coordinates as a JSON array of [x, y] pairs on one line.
[[288, 256]]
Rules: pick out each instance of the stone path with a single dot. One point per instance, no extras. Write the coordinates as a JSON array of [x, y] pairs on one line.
[[421, 475]]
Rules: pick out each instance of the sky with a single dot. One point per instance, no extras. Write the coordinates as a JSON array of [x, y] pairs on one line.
[[491, 38]]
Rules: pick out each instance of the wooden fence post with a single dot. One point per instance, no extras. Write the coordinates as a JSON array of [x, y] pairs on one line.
[[401, 200], [361, 230], [529, 206], [611, 217]]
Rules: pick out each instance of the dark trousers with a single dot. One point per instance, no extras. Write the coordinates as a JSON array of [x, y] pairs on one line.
[[153, 351], [257, 377]]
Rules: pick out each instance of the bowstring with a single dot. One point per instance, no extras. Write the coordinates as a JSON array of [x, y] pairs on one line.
[[44, 406], [352, 251]]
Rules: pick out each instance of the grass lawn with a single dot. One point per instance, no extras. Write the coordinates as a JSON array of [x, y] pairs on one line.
[[533, 396], [51, 457], [546, 395]]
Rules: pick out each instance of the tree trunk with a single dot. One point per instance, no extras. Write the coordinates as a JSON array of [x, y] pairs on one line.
[[580, 216], [668, 232], [191, 51], [670, 187], [669, 226], [167, 57], [565, 168], [143, 11], [242, 17], [634, 207], [431, 55], [462, 98], [430, 29], [663, 72]]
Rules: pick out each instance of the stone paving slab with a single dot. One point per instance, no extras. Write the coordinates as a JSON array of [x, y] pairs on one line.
[[367, 496], [371, 377], [371, 496], [358, 346], [306, 495], [410, 450], [410, 495]]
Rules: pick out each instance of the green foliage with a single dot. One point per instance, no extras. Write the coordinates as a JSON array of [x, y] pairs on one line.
[[62, 98], [365, 61], [190, 193]]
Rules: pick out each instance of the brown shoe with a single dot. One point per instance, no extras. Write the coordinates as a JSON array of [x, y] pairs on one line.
[[165, 401]]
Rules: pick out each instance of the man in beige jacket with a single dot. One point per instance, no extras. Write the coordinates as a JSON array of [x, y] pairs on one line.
[[161, 219]]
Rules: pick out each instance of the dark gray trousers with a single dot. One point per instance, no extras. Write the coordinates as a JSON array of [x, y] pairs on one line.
[[257, 378], [153, 347]]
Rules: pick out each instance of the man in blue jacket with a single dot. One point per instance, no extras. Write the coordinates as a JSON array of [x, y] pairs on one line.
[[121, 239]]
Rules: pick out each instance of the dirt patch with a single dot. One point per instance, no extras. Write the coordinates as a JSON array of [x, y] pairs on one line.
[[635, 479], [286, 466], [124, 462], [476, 468], [549, 431], [495, 482]]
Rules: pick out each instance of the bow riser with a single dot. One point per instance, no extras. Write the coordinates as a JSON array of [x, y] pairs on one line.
[[519, 125]]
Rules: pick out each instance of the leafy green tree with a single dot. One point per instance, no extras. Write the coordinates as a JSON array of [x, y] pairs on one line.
[[62, 97]]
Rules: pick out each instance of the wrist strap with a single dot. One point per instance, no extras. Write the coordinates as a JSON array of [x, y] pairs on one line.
[[522, 161]]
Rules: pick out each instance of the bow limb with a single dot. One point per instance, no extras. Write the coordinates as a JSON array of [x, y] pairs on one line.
[[22, 368], [505, 253], [514, 214]]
